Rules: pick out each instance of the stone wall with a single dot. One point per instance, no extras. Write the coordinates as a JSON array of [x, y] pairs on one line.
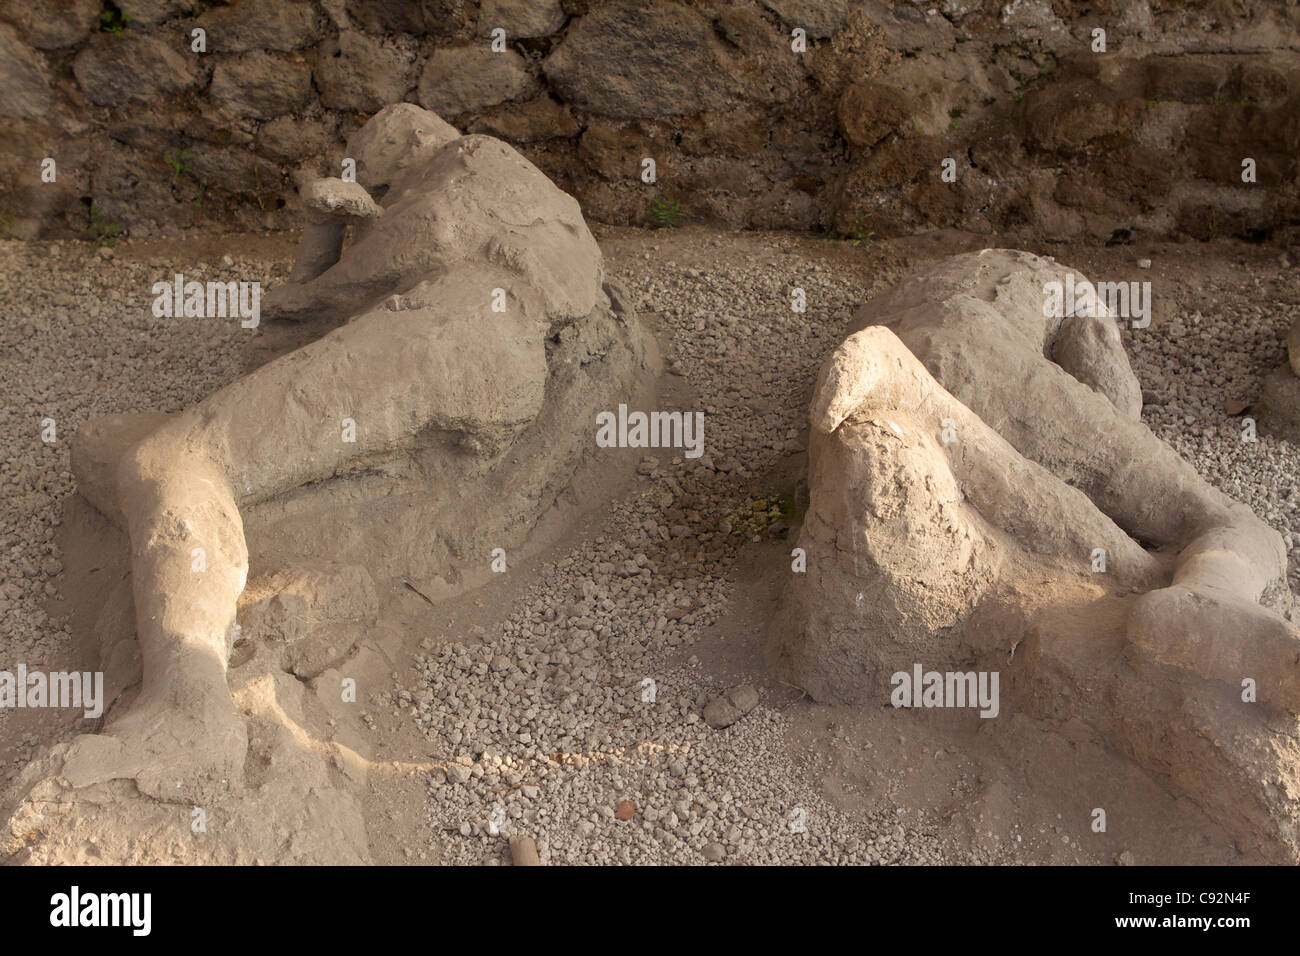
[[1048, 139]]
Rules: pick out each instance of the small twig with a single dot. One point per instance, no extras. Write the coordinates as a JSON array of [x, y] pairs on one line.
[[432, 603]]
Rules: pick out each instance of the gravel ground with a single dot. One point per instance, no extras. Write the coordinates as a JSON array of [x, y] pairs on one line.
[[543, 719]]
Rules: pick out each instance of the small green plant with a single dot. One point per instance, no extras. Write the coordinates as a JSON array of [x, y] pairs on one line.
[[176, 159], [114, 21], [862, 235], [753, 518], [1017, 96], [103, 230], [667, 213]]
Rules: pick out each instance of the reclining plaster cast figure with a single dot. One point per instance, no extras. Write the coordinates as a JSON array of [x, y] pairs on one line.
[[462, 224], [969, 459]]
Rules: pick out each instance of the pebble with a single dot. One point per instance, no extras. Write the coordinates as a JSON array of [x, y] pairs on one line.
[[725, 709]]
